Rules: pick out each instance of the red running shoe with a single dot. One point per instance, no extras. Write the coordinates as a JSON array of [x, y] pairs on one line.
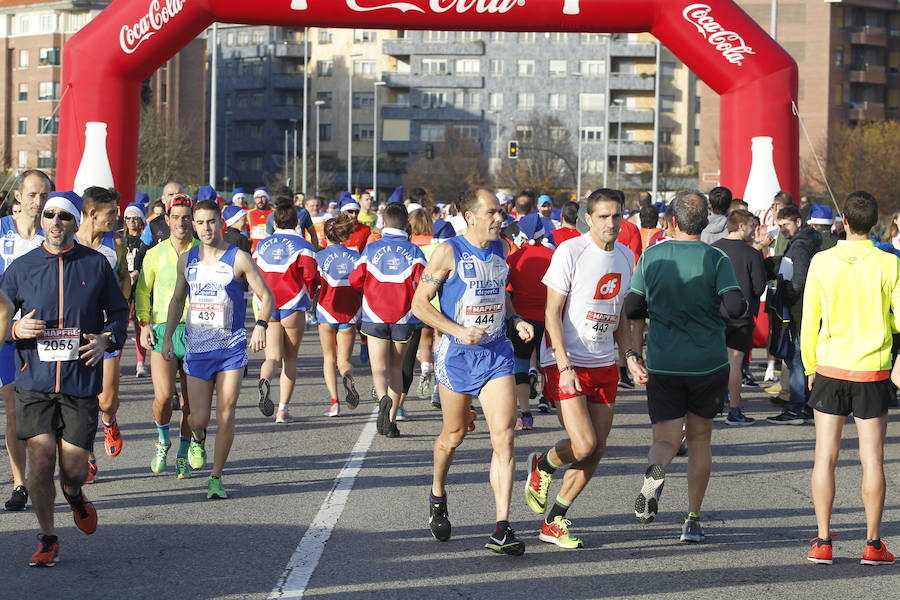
[[112, 439], [820, 552], [46, 554], [877, 556], [84, 514], [92, 471]]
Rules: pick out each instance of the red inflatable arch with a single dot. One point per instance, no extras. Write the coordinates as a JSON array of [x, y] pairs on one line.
[[105, 63]]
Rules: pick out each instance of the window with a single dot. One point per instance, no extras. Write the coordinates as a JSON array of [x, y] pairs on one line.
[[469, 131], [325, 131], [591, 135], [363, 99], [696, 104], [364, 67], [592, 38], [495, 99], [524, 133], [666, 103], [433, 133], [469, 36], [48, 125], [665, 136], [257, 99], [497, 66], [229, 38], [363, 36], [558, 68], [244, 38], [46, 159], [590, 101], [434, 66], [23, 159], [324, 36], [48, 23], [557, 101], [525, 100], [696, 137], [49, 57], [325, 68], [23, 59], [24, 25], [363, 132], [667, 69], [468, 66], [525, 68], [557, 134], [23, 126], [498, 36], [592, 166], [434, 99], [23, 92], [527, 37], [470, 100], [592, 68], [48, 90], [559, 37], [437, 36], [259, 37]]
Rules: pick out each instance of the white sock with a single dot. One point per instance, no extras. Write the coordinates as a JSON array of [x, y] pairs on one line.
[[771, 364], [426, 368], [282, 407]]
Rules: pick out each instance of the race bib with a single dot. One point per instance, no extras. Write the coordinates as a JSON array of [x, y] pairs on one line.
[[207, 315], [481, 315], [59, 345], [258, 232], [597, 327]]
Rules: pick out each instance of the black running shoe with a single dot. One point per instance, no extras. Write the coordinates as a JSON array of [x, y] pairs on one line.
[[646, 505], [351, 396], [625, 381], [532, 384], [543, 405], [18, 499], [266, 406], [748, 381], [384, 415], [439, 521], [505, 542], [392, 431]]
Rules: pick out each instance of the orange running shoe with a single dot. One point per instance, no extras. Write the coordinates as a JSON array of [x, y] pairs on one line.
[[92, 471], [473, 416], [47, 551], [820, 551], [876, 556], [84, 514], [112, 438]]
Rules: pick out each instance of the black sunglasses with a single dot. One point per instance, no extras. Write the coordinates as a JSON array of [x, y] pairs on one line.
[[63, 216]]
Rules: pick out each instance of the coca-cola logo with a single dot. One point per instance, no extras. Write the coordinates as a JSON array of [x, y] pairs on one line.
[[729, 43], [571, 7], [158, 14]]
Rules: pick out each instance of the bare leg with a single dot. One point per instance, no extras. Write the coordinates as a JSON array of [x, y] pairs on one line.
[[379, 360], [699, 436], [16, 448], [735, 377], [201, 393], [42, 458], [109, 395], [828, 448], [455, 412], [498, 401], [345, 340], [292, 328], [395, 374], [273, 351], [163, 381], [871, 454], [228, 387], [327, 339], [589, 426], [73, 467]]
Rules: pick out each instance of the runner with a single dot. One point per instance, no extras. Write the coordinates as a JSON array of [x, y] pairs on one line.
[[21, 234], [682, 285], [60, 341], [586, 285], [288, 265], [567, 230], [338, 311], [474, 357], [156, 229], [235, 219], [214, 274], [361, 233], [155, 287], [387, 274], [135, 252], [257, 216], [97, 231]]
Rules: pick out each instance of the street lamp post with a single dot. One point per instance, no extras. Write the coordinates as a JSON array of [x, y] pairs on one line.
[[497, 157], [225, 156], [378, 84], [618, 102], [350, 122], [580, 123], [294, 156], [305, 104], [319, 104]]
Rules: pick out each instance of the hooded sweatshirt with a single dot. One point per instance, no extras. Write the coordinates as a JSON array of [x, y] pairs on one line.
[[715, 230]]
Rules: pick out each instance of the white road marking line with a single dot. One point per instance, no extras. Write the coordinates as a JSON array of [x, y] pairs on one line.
[[302, 564]]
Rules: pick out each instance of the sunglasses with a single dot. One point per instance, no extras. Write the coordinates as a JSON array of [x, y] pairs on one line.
[[133, 219], [355, 212], [63, 216]]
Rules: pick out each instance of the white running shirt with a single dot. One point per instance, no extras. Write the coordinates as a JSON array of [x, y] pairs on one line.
[[596, 283]]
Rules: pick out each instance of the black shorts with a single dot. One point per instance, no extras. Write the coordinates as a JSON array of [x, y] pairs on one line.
[[739, 338], [392, 332], [864, 399], [673, 396], [72, 418], [523, 350]]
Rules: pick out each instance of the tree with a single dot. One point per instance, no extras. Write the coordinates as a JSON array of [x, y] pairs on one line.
[[164, 152], [458, 164], [546, 161]]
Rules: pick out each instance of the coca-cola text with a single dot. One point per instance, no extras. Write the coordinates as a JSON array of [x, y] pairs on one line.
[[729, 43], [131, 37]]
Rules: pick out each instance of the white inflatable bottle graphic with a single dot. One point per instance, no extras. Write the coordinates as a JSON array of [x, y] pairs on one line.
[[762, 184], [94, 168], [298, 5], [572, 7]]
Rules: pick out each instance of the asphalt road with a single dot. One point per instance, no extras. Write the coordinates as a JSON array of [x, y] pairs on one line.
[[289, 484]]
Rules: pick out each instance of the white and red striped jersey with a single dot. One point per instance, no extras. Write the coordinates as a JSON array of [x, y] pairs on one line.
[[339, 302], [288, 264], [387, 273]]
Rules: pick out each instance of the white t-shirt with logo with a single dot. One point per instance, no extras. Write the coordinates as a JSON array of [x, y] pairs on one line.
[[596, 282]]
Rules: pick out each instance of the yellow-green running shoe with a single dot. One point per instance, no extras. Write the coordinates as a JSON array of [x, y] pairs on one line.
[[197, 454], [537, 485], [181, 469], [214, 490], [557, 533], [158, 464]]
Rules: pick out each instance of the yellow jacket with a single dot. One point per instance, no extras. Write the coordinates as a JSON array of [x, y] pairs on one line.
[[850, 293]]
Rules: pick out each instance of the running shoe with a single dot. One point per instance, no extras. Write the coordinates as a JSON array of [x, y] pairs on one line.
[[557, 533], [543, 405], [682, 448], [820, 551], [84, 515], [112, 439], [402, 415], [392, 430], [18, 499], [284, 416], [197, 454], [504, 541], [426, 384], [158, 463], [176, 400], [774, 389], [351, 396], [737, 417], [647, 503], [436, 404], [692, 530], [787, 417], [532, 384], [214, 489], [181, 469], [334, 410], [47, 552], [473, 416], [266, 406], [527, 422], [780, 399], [384, 415], [141, 371], [876, 556], [748, 381], [537, 486], [439, 521], [92, 471], [808, 416], [364, 354], [625, 381]]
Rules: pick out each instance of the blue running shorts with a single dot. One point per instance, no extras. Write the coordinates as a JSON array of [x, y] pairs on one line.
[[280, 314], [466, 369], [7, 364], [205, 365]]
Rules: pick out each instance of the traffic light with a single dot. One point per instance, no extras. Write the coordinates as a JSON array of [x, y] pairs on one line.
[[429, 151], [512, 150]]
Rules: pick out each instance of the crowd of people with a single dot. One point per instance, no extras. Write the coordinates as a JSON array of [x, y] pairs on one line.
[[508, 300]]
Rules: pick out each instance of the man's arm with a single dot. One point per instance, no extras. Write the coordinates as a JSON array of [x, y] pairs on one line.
[[812, 319], [115, 306], [246, 269], [7, 310], [438, 270], [122, 273], [176, 307]]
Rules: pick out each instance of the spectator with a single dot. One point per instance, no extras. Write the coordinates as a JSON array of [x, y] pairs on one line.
[[719, 203], [567, 228], [820, 219]]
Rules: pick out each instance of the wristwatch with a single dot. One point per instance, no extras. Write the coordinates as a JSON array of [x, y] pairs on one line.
[[263, 324]]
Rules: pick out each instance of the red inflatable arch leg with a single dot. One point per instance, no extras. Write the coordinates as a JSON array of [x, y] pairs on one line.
[[105, 62]]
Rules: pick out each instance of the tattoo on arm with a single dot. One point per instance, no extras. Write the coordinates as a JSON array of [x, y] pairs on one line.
[[435, 280]]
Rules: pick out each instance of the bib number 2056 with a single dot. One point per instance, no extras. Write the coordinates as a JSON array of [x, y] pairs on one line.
[[59, 345]]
